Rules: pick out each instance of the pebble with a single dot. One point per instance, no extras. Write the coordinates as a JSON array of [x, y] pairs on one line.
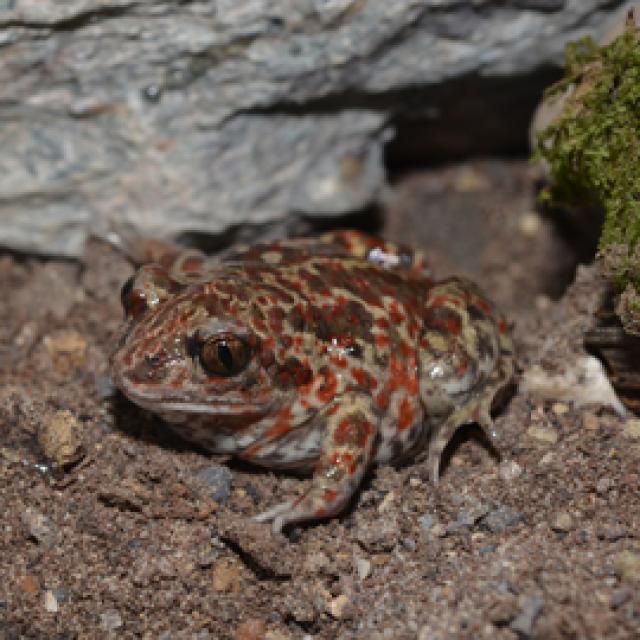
[[563, 522], [590, 421], [559, 408], [626, 565], [387, 502], [338, 606], [529, 611], [67, 350], [27, 584], [501, 519], [39, 527], [631, 429], [604, 485], [251, 629], [363, 567], [60, 437], [218, 479], [50, 601], [509, 470], [226, 577], [426, 522], [620, 597], [110, 620], [545, 435]]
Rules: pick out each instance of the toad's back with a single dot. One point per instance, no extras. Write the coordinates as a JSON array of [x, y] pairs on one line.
[[326, 354]]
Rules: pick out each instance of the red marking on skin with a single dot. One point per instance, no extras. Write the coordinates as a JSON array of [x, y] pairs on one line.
[[269, 343], [424, 343], [328, 388], [321, 513], [282, 425], [444, 300], [338, 361], [252, 451], [407, 414], [483, 305], [453, 326], [383, 323], [329, 495], [343, 459], [350, 432], [363, 378], [382, 401], [332, 410], [260, 325], [462, 368], [502, 327], [262, 300], [406, 350], [382, 341], [190, 265], [397, 317]]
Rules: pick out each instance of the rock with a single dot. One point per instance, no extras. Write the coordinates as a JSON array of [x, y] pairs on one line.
[[39, 527], [529, 611], [218, 479], [251, 629], [502, 518], [543, 434], [631, 429], [67, 350], [226, 577], [50, 602], [509, 470], [562, 523], [110, 620], [626, 565], [182, 116], [338, 607], [61, 437], [363, 568], [620, 597]]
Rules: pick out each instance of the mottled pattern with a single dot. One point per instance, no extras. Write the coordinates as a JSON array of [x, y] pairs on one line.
[[327, 355]]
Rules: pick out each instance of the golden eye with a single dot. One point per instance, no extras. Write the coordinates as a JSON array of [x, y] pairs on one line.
[[224, 355]]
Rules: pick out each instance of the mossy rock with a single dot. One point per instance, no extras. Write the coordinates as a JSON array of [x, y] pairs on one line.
[[593, 152]]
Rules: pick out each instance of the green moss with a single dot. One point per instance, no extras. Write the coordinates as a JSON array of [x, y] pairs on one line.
[[593, 148]]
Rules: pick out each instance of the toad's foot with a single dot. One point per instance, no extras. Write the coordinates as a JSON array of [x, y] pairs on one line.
[[346, 453]]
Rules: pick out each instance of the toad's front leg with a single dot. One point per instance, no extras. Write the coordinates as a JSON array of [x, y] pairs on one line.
[[346, 452]]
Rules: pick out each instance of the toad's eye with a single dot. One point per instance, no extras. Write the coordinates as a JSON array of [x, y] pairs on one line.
[[224, 355], [133, 301]]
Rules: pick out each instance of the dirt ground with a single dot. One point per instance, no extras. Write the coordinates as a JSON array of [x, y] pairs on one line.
[[144, 536]]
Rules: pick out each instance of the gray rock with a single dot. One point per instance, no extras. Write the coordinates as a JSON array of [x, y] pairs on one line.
[[523, 623], [218, 479], [199, 116], [501, 518]]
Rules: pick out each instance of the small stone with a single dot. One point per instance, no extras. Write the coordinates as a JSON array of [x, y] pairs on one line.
[[39, 527], [316, 562], [387, 502], [563, 522], [559, 408], [67, 350], [338, 606], [251, 629], [611, 532], [604, 485], [110, 620], [546, 459], [226, 577], [543, 434], [218, 479], [363, 567], [530, 223], [426, 522], [509, 470], [50, 601], [501, 519], [27, 584], [415, 483], [60, 437], [626, 565], [529, 611], [620, 597], [631, 429], [590, 421]]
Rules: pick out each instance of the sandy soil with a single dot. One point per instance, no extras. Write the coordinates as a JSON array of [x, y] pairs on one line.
[[144, 536]]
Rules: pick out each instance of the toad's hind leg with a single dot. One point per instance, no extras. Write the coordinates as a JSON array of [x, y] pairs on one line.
[[467, 359], [344, 457]]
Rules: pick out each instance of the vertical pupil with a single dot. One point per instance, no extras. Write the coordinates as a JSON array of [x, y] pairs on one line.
[[225, 356]]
